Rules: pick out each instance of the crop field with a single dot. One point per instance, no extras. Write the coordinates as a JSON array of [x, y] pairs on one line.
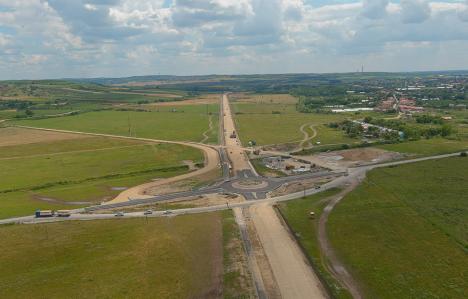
[[403, 231], [295, 213], [82, 169], [171, 257], [186, 123]]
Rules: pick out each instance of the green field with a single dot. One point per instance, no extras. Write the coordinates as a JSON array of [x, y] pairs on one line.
[[187, 123], [54, 174], [427, 147], [263, 123], [295, 213], [403, 232], [171, 257]]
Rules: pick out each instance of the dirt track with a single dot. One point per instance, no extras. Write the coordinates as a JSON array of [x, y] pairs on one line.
[[234, 149], [334, 265], [210, 128], [294, 276], [307, 138]]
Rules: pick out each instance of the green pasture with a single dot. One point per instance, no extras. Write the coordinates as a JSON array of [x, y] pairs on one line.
[[186, 124], [89, 169], [403, 232], [172, 257]]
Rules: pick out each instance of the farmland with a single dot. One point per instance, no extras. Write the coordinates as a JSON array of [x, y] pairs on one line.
[[277, 121], [186, 123], [71, 168], [175, 257], [416, 243]]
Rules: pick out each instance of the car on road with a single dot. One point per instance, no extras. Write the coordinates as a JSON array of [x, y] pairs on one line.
[[167, 212], [119, 214], [148, 212], [317, 187]]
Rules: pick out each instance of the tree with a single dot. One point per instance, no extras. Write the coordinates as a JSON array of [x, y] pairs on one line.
[[446, 130], [29, 112], [368, 119]]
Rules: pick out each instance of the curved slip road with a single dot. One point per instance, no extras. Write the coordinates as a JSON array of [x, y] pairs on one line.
[[211, 163]]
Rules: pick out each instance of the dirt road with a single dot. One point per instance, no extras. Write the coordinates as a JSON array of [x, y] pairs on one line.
[[293, 274], [334, 265], [305, 142], [234, 149], [294, 277]]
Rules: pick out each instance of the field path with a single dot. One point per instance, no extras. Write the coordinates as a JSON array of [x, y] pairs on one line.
[[210, 128], [307, 137], [334, 265], [211, 163], [72, 152]]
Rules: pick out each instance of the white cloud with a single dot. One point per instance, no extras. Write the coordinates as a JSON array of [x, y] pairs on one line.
[[4, 40], [126, 37], [90, 7], [374, 9], [415, 11], [34, 59]]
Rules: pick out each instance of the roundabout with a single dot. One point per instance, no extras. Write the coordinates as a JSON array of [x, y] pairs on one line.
[[250, 184]]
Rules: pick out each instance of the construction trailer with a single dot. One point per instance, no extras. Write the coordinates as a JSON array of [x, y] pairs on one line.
[[63, 213]]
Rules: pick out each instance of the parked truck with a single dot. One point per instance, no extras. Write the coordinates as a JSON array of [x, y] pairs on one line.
[[44, 213]]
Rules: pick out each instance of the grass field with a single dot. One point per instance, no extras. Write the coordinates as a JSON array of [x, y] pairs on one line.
[[427, 147], [187, 123], [237, 280], [171, 257], [60, 172], [295, 213], [279, 122], [7, 114], [403, 232]]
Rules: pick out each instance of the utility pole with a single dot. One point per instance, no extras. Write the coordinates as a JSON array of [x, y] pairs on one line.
[[129, 125]]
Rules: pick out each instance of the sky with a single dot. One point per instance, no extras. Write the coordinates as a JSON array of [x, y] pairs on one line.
[[117, 38]]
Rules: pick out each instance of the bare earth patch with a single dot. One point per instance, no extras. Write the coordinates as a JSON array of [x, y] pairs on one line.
[[298, 186], [210, 200], [16, 136], [354, 157], [264, 98], [203, 100]]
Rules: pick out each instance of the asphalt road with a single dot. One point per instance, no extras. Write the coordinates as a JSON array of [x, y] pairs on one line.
[[338, 182]]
